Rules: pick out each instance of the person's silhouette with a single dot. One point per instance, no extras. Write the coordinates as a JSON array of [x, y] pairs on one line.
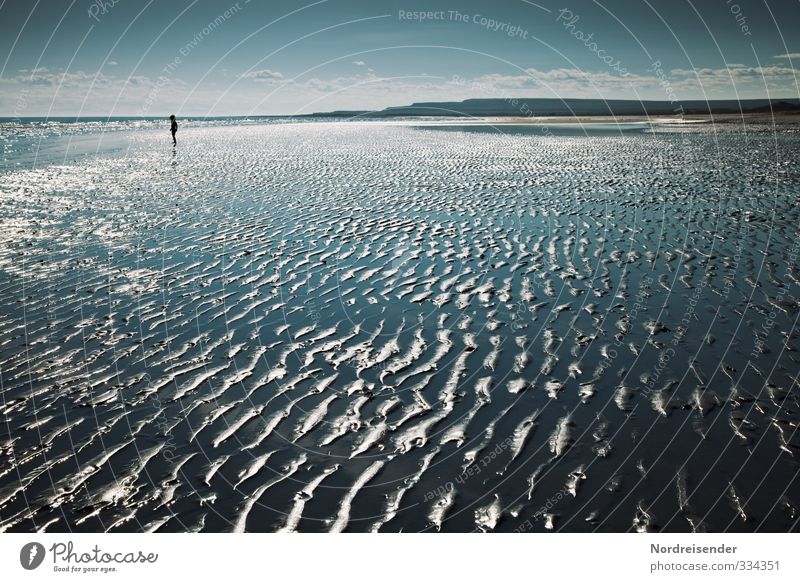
[[173, 128]]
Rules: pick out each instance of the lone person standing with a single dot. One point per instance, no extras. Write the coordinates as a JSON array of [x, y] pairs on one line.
[[173, 128]]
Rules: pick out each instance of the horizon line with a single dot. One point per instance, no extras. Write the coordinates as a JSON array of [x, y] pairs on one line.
[[411, 105]]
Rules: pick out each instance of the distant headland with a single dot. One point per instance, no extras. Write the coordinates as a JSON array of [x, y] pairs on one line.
[[572, 107]]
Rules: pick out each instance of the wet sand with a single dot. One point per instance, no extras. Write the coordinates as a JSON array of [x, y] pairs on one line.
[[377, 327]]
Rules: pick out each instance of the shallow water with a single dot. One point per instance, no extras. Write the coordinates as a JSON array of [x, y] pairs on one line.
[[593, 129], [369, 327]]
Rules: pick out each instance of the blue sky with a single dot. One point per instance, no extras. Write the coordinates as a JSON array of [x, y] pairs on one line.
[[198, 57]]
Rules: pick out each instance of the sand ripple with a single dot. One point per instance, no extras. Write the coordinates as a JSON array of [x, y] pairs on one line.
[[328, 327]]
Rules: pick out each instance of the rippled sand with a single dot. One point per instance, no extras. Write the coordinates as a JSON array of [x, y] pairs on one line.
[[367, 327]]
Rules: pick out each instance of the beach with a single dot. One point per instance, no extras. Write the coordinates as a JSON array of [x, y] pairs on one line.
[[385, 326]]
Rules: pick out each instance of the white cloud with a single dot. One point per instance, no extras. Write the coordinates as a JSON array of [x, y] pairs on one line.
[[777, 81], [568, 82], [45, 91], [359, 63], [56, 92], [45, 77], [264, 75], [787, 56]]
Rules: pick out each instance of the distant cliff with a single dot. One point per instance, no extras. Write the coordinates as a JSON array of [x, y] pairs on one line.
[[529, 107]]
